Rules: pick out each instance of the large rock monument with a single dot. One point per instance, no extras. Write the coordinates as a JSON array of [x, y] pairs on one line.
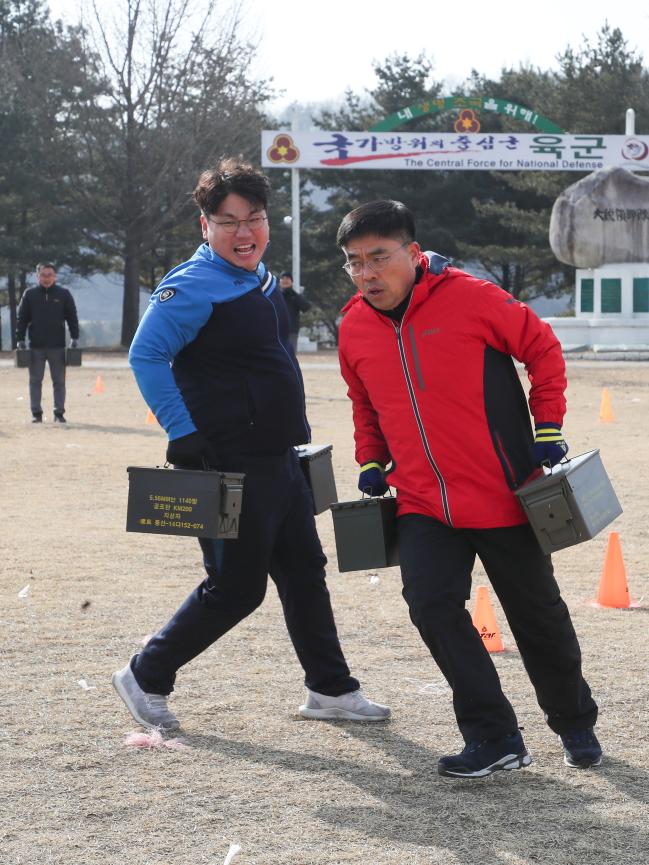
[[602, 219], [600, 225]]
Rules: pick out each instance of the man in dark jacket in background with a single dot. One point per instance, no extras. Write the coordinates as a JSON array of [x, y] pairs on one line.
[[295, 303], [44, 311]]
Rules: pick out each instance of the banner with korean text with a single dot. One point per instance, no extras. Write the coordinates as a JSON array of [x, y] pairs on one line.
[[448, 151]]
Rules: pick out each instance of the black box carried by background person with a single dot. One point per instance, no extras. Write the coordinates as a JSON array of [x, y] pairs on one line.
[[315, 462], [571, 503], [73, 356], [22, 357], [203, 504], [366, 533]]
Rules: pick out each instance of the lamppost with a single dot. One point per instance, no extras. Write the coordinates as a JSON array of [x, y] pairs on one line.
[[295, 215]]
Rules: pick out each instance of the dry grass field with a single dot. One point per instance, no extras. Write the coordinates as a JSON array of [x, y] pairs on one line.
[[289, 791]]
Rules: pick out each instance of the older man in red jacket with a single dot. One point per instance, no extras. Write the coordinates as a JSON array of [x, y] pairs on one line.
[[427, 351]]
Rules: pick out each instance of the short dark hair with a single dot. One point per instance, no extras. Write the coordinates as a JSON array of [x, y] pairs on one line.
[[383, 218], [42, 265], [230, 175], [286, 273]]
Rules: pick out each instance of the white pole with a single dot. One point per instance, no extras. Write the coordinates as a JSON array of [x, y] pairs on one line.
[[295, 218], [295, 225], [630, 122]]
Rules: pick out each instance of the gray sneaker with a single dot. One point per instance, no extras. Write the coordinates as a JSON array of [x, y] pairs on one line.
[[353, 706], [150, 710]]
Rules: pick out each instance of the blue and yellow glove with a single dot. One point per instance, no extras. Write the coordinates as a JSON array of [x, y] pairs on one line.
[[371, 480], [549, 445]]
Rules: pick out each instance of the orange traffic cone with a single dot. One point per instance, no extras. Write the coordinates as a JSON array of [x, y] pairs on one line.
[[605, 409], [150, 417], [99, 385], [484, 621], [613, 588]]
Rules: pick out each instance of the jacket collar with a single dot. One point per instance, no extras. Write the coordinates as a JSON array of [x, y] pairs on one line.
[[206, 253]]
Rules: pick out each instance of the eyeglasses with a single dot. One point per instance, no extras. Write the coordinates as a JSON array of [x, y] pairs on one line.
[[376, 263], [231, 226]]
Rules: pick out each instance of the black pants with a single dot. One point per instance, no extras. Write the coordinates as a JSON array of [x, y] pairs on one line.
[[277, 535], [436, 564], [55, 357]]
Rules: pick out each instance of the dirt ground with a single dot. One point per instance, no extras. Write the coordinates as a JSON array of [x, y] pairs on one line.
[[289, 791]]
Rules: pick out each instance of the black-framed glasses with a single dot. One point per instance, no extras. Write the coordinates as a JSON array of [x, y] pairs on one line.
[[376, 263], [231, 226]]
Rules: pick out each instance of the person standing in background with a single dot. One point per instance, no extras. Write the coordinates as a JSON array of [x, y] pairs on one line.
[[43, 312], [295, 303]]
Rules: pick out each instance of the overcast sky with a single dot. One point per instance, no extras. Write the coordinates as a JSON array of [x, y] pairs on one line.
[[314, 50]]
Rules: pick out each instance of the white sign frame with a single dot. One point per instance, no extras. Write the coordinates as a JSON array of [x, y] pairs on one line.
[[453, 151]]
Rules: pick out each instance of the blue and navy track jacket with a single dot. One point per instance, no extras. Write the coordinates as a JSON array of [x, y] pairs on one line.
[[212, 354]]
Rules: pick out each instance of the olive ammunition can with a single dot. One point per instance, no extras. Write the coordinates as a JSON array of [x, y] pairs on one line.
[[203, 504], [73, 357], [570, 504], [315, 461], [366, 533]]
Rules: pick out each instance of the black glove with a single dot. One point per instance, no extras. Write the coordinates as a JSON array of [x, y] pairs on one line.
[[74, 343], [192, 451], [549, 445], [371, 479], [21, 344]]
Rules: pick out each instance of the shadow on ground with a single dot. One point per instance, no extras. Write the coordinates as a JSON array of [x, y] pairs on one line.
[[524, 813]]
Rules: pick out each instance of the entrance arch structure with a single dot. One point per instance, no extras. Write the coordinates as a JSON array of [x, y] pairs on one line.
[[459, 103]]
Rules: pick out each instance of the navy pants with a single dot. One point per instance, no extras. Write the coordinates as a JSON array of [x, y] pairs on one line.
[[55, 357], [436, 565], [277, 536]]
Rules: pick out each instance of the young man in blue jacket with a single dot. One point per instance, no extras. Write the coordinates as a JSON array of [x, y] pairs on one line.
[[213, 361]]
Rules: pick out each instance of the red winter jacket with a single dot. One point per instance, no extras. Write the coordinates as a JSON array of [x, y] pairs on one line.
[[439, 395]]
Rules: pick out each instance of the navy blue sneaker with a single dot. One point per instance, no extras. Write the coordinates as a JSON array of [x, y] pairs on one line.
[[581, 750], [479, 759]]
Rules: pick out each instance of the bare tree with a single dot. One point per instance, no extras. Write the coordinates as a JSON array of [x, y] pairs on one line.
[[177, 94], [40, 82]]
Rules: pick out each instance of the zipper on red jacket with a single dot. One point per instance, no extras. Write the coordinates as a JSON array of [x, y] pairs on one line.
[[420, 424]]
